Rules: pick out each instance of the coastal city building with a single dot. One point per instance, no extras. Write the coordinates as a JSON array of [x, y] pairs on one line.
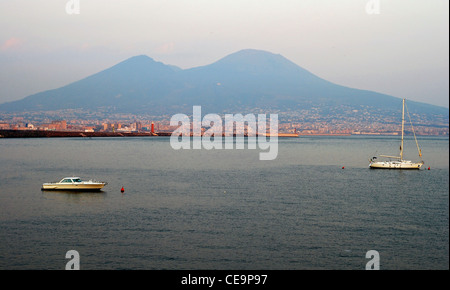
[[310, 127]]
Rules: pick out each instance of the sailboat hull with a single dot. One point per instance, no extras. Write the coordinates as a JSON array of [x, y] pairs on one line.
[[395, 165]]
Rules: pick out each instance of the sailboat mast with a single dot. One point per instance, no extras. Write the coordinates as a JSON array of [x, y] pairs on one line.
[[403, 127]]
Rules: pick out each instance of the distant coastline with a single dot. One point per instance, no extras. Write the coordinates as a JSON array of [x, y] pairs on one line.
[[55, 134], [59, 134]]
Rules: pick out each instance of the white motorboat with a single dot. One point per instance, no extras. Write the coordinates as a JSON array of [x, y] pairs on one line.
[[74, 183], [398, 162]]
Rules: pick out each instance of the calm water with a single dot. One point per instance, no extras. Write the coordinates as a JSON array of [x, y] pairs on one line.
[[223, 209]]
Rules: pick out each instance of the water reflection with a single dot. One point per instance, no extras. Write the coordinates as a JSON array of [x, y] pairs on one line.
[[74, 196]]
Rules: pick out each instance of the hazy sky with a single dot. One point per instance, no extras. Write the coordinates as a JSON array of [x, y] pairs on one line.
[[397, 47]]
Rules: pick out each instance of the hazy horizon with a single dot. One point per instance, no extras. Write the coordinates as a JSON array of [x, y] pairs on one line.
[[399, 48]]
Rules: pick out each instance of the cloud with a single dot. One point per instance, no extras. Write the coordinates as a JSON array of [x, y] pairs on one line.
[[11, 43]]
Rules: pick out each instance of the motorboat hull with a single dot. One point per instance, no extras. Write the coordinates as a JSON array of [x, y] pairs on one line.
[[74, 187]]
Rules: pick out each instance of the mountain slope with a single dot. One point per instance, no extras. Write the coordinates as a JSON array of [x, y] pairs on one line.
[[244, 80], [126, 85]]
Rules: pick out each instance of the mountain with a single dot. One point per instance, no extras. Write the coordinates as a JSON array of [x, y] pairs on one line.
[[127, 84], [245, 80]]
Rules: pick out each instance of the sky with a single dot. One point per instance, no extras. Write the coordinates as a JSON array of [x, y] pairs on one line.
[[395, 47]]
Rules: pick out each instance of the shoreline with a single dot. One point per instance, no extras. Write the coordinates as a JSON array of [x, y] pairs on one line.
[[59, 134], [81, 134]]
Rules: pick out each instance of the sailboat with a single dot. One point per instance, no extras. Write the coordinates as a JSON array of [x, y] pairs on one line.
[[398, 162]]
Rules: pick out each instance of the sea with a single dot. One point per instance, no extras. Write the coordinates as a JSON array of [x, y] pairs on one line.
[[316, 206]]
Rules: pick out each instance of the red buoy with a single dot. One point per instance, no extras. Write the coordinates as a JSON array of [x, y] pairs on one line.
[[343, 167], [428, 167], [122, 189]]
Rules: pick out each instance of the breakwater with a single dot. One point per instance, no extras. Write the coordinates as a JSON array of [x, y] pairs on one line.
[[48, 134]]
